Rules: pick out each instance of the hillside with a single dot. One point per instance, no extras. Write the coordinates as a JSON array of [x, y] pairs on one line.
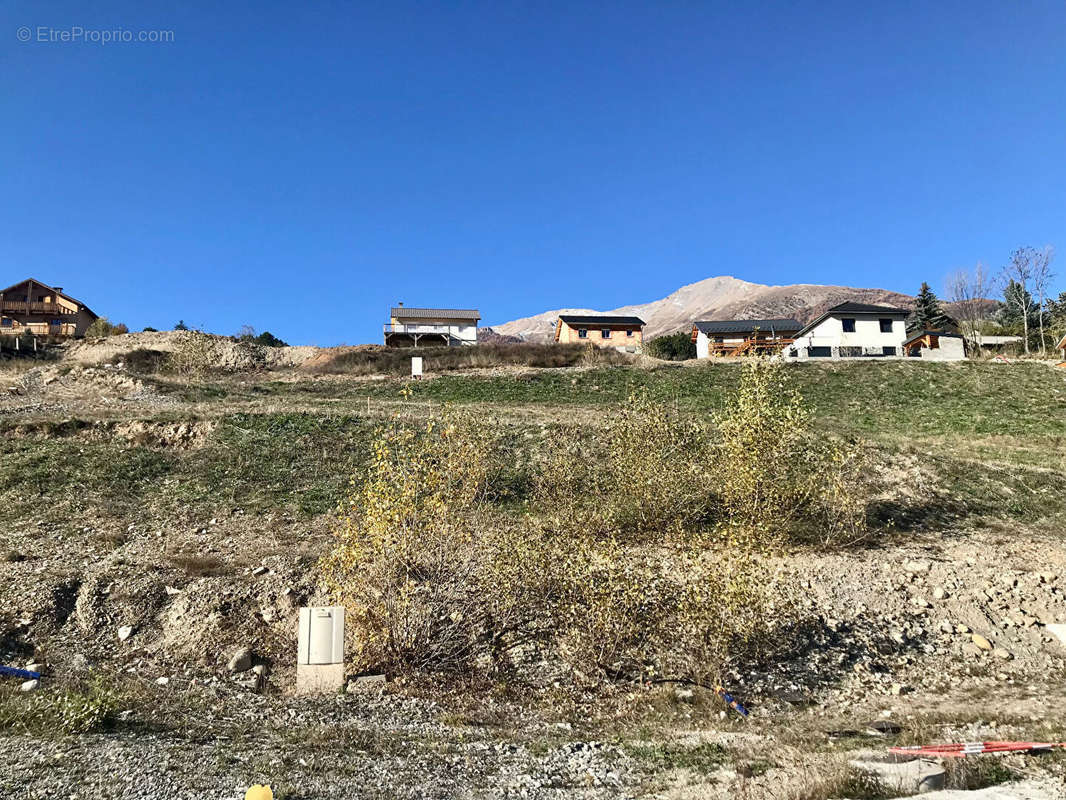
[[722, 297], [153, 526]]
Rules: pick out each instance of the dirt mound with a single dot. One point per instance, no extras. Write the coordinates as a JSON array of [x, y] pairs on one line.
[[229, 353], [106, 383]]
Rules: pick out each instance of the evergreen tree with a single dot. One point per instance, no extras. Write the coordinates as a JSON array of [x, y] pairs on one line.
[[928, 314]]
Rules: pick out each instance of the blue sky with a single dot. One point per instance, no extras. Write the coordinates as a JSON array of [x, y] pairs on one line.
[[302, 168]]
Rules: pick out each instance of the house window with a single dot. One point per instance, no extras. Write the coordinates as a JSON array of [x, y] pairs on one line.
[[605, 333], [582, 333], [629, 334], [849, 325], [888, 351], [820, 352], [886, 325]]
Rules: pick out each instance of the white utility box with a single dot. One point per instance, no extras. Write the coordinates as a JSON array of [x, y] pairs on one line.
[[416, 366], [320, 649]]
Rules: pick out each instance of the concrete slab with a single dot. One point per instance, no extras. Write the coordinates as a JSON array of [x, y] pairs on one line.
[[1044, 789], [319, 678], [907, 777]]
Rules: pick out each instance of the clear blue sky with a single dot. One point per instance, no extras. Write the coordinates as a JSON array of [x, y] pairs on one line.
[[300, 168]]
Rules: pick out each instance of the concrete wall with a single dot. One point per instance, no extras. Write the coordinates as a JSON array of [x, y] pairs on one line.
[[949, 349]]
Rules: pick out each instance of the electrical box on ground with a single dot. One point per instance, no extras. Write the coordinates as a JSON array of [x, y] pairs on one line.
[[416, 366], [321, 635]]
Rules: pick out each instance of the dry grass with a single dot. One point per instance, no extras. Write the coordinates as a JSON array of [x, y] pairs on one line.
[[397, 361]]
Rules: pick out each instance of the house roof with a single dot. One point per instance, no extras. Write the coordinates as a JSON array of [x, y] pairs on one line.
[[987, 339], [1062, 343], [574, 319], [435, 313], [51, 289], [856, 309], [747, 325], [942, 334], [865, 308]]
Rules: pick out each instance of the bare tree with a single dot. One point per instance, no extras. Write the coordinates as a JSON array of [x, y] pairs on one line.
[[968, 290], [1020, 271], [1042, 277]]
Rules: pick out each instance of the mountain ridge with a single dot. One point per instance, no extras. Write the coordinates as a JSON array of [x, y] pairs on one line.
[[717, 297]]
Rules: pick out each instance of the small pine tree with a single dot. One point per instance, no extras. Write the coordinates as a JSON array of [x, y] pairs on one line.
[[928, 314], [181, 326]]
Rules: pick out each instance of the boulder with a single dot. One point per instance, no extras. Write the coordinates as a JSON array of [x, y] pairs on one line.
[[240, 661]]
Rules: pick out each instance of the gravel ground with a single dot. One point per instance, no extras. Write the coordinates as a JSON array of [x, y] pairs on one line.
[[340, 747]]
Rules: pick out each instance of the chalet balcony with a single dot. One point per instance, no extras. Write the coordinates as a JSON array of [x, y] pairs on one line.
[[421, 327], [760, 344], [8, 306]]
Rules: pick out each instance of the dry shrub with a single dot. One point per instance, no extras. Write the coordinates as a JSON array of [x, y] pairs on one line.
[[682, 612], [436, 580], [196, 354], [776, 479], [407, 562], [645, 469]]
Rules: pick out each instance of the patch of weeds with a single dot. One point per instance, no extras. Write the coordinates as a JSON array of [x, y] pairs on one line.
[[703, 758], [299, 461], [59, 710], [857, 784], [977, 772], [753, 769], [841, 783], [201, 566]]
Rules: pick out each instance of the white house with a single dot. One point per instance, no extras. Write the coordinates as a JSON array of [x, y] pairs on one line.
[[431, 327], [734, 337], [853, 330]]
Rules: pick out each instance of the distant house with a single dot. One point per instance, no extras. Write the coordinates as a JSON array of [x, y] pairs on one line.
[[935, 346], [994, 343], [622, 333], [734, 337], [431, 327], [1061, 347], [42, 310], [853, 330]]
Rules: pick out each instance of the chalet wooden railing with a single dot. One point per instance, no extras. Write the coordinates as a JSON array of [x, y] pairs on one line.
[[22, 307], [749, 345]]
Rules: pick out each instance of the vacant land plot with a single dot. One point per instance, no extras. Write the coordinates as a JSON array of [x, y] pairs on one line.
[[195, 511]]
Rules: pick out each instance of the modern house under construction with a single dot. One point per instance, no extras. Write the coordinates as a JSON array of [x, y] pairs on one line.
[[32, 307], [743, 337], [431, 327]]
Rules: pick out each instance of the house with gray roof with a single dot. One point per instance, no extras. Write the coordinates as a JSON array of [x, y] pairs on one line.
[[735, 337], [431, 327], [852, 330]]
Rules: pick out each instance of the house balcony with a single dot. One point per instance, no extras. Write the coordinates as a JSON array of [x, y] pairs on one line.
[[425, 334], [760, 344], [8, 306], [424, 327]]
